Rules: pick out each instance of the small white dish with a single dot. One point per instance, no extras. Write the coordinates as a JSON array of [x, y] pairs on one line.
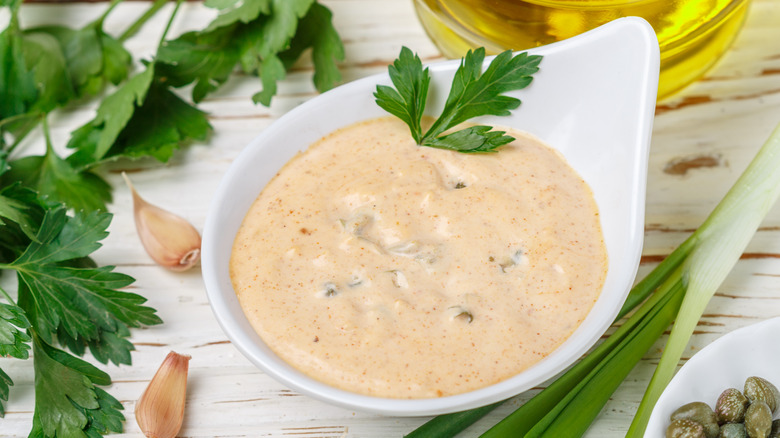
[[593, 100], [725, 363]]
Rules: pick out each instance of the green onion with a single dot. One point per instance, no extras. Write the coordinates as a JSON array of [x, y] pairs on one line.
[[719, 242], [446, 426], [678, 289]]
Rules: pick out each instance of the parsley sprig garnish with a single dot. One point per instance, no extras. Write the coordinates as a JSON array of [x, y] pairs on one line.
[[473, 93]]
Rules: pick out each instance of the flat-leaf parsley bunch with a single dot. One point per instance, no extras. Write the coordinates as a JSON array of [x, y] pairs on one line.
[[53, 206]]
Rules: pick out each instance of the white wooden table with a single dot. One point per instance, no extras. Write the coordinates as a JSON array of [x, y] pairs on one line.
[[724, 118]]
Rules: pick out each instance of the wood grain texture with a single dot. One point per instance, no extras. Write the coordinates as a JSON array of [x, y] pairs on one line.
[[726, 115]]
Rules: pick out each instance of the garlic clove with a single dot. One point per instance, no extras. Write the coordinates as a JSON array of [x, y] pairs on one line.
[[169, 239], [160, 410]]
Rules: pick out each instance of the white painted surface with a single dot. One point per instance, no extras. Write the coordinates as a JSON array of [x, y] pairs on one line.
[[728, 115]]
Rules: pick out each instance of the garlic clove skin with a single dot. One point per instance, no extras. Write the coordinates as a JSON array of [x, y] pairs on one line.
[[170, 240], [160, 410]]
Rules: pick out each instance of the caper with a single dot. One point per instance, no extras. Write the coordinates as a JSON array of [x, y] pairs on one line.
[[758, 420], [757, 388], [733, 430], [701, 413], [731, 406], [684, 428]]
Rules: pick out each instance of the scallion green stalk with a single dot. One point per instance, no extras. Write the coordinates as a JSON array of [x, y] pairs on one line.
[[449, 425], [719, 242]]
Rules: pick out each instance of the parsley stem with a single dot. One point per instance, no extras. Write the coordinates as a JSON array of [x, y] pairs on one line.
[[135, 27], [170, 22], [99, 21], [27, 122], [18, 117], [7, 297], [13, 24], [21, 134], [46, 135]]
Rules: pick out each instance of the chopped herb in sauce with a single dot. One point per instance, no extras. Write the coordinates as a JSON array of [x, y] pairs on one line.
[[399, 279], [458, 313], [510, 262], [330, 290], [355, 281]]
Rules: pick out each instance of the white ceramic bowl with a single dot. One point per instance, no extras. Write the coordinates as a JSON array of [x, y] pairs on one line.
[[725, 363], [593, 100]]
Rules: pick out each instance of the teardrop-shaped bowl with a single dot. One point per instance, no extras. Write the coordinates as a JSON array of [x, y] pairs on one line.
[[593, 100]]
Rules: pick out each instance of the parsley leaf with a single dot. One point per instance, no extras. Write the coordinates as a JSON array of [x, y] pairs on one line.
[[106, 418], [5, 389], [63, 297], [67, 402], [206, 58], [83, 304], [472, 94], [280, 26], [159, 126], [21, 217], [407, 100], [316, 30], [15, 206], [271, 71], [13, 341], [46, 67], [71, 294], [33, 76], [17, 81], [108, 346], [60, 182], [45, 59], [62, 238], [97, 136], [142, 118], [233, 11], [92, 56], [264, 37], [477, 138]]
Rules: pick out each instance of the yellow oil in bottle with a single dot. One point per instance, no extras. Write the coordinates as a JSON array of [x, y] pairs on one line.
[[692, 34]]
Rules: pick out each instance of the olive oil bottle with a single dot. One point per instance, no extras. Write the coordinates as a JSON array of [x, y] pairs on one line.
[[692, 34]]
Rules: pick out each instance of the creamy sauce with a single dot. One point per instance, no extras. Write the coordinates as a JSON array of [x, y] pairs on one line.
[[393, 270]]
